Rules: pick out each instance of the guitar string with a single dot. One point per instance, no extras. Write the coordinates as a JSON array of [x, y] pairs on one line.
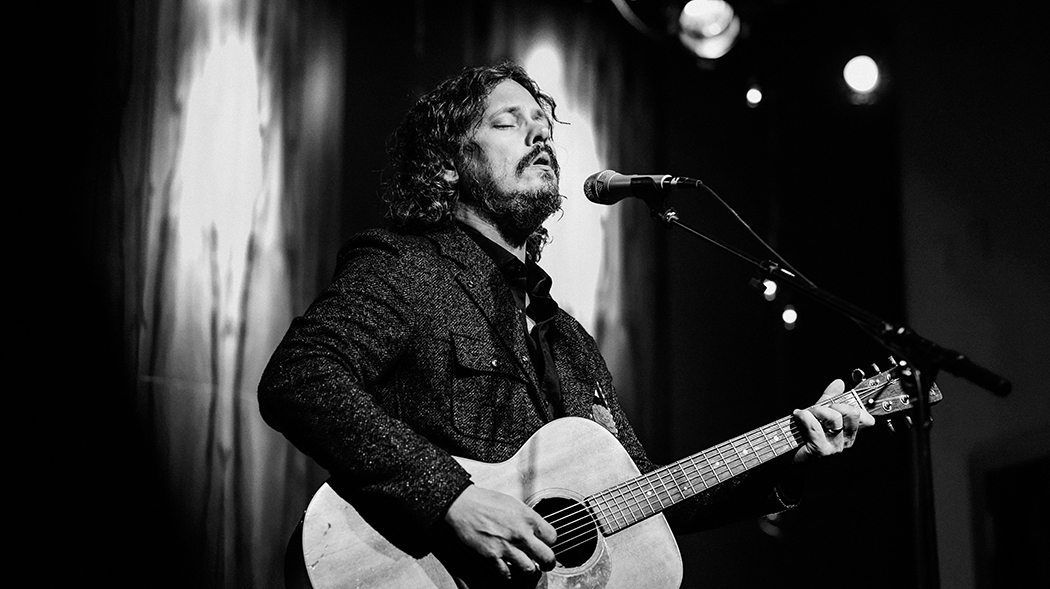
[[766, 452], [589, 526], [587, 522], [662, 475], [737, 461], [587, 530]]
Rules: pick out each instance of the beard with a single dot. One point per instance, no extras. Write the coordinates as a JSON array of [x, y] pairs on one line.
[[516, 214]]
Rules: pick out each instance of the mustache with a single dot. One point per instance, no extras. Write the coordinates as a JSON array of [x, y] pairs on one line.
[[534, 153]]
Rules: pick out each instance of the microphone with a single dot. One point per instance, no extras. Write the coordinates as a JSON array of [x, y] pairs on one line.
[[610, 187]]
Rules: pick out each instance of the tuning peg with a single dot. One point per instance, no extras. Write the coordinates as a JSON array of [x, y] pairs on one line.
[[908, 419], [875, 367], [893, 361], [858, 375], [889, 425]]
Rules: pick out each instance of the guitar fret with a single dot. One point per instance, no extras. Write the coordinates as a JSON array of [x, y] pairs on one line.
[[641, 492], [721, 461], [624, 508], [734, 456], [700, 473], [608, 513], [613, 512], [663, 483], [647, 496], [786, 430], [767, 443], [681, 492], [697, 473], [777, 441], [746, 454], [751, 447], [657, 476], [627, 509], [757, 457]]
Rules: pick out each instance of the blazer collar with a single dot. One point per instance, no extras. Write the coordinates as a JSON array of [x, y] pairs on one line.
[[457, 246]]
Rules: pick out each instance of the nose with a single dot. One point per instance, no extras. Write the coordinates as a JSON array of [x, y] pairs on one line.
[[539, 132]]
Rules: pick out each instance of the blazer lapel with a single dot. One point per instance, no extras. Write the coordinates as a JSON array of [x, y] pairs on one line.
[[484, 284]]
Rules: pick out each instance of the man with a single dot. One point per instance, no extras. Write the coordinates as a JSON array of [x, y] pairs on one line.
[[439, 338]]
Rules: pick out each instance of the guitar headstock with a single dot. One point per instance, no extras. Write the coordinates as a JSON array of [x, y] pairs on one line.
[[882, 393]]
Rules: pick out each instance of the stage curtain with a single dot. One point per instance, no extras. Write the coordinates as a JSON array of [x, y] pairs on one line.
[[229, 176]]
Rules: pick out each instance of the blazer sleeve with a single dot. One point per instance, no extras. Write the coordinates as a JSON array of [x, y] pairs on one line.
[[319, 389]]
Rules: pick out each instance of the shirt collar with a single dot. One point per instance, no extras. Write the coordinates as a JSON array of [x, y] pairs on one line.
[[528, 276]]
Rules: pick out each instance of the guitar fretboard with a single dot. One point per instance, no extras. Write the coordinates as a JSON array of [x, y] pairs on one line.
[[637, 499]]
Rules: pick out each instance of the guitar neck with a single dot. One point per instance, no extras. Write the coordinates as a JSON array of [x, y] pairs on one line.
[[637, 499]]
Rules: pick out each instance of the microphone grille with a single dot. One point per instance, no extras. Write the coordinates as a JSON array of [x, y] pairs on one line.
[[594, 186]]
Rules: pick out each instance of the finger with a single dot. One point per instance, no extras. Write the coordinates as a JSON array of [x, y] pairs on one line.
[[545, 531], [830, 420], [538, 545], [503, 567], [850, 423], [517, 562], [835, 388], [866, 420], [539, 553], [812, 428], [850, 417]]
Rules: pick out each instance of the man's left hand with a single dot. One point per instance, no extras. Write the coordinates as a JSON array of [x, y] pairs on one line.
[[832, 429]]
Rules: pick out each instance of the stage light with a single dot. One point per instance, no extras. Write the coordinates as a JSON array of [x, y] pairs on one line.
[[790, 317], [770, 291], [708, 27], [861, 74], [754, 96]]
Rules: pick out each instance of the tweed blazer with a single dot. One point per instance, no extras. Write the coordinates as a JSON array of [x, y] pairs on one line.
[[415, 353]]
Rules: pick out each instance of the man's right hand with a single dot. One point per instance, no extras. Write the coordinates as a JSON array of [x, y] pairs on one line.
[[503, 530]]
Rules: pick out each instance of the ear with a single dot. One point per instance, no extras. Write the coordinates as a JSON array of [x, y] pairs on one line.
[[450, 174]]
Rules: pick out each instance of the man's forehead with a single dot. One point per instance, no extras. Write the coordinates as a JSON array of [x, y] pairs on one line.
[[509, 95]]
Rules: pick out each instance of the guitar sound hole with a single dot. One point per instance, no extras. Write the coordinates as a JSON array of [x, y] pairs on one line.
[[577, 530]]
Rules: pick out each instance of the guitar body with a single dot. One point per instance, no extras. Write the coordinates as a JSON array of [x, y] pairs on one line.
[[561, 464]]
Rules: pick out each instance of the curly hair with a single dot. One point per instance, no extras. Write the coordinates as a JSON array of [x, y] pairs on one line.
[[435, 132]]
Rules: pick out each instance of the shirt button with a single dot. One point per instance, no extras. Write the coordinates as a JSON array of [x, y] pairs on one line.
[[495, 363]]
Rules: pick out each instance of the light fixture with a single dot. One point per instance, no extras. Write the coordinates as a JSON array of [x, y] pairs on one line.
[[769, 289], [861, 74], [754, 96], [708, 27]]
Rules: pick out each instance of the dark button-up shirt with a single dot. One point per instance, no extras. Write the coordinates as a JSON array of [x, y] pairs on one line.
[[529, 278]]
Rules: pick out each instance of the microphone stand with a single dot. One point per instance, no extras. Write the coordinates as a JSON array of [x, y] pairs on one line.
[[922, 360]]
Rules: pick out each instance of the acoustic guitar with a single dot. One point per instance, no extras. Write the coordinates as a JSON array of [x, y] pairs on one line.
[[611, 533]]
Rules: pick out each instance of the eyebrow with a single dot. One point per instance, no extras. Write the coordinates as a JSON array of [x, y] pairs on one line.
[[517, 110]]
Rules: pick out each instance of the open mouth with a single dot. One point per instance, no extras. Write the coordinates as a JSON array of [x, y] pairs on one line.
[[543, 157]]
